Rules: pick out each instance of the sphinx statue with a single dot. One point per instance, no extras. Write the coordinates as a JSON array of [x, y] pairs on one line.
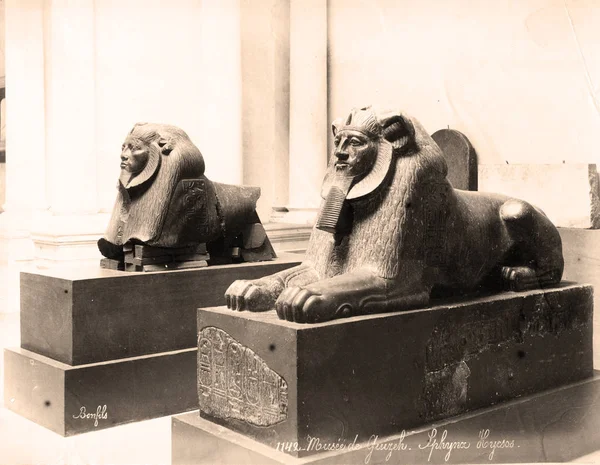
[[392, 232], [167, 211]]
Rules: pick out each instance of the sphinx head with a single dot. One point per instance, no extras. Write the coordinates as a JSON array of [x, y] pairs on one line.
[[355, 152], [364, 144], [135, 154], [140, 155]]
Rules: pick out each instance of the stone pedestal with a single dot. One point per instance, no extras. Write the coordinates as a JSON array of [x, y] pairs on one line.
[[77, 399], [554, 426], [281, 382], [92, 337]]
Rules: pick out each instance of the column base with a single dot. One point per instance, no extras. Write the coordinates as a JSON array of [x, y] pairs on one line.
[[15, 237], [48, 238], [59, 239], [289, 237], [293, 215]]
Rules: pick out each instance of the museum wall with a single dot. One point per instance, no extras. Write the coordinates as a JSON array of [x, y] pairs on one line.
[[161, 64], [519, 78], [2, 72]]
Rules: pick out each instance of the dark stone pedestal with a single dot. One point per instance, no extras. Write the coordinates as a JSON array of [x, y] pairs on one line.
[[554, 426], [90, 314], [277, 381], [94, 337], [53, 394]]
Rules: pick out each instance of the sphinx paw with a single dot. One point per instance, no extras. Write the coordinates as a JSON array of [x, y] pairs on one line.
[[519, 278], [305, 306], [252, 295], [110, 250]]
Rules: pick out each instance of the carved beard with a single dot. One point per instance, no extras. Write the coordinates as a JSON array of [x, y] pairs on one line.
[[330, 217], [126, 176], [339, 186]]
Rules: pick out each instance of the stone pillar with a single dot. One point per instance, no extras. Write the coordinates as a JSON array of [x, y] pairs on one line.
[[51, 207], [25, 175], [70, 107], [220, 117], [265, 30], [69, 229], [308, 108], [25, 132]]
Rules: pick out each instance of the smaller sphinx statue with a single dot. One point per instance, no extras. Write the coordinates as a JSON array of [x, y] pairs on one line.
[[168, 214], [392, 232]]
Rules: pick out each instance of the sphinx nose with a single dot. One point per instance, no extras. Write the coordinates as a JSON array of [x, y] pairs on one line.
[[124, 156], [341, 155]]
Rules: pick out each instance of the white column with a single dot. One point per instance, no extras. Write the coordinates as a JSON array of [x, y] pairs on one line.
[[308, 107], [70, 107], [69, 229], [265, 99], [25, 128], [220, 117]]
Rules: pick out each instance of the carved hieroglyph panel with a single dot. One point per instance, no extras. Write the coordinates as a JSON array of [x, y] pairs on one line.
[[234, 382], [195, 204]]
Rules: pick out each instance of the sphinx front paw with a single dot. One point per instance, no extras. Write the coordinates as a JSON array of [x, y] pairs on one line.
[[253, 295], [304, 305]]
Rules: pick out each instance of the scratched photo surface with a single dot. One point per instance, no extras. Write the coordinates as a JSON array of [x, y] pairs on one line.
[[256, 86]]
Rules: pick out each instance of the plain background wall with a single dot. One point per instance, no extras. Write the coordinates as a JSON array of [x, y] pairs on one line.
[[2, 72], [159, 62], [519, 77]]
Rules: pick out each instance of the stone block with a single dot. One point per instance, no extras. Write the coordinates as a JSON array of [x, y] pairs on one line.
[[567, 193], [460, 158], [277, 381], [70, 400], [554, 426], [89, 314], [581, 250]]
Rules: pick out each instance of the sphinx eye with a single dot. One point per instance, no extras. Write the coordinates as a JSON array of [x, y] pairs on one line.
[[336, 141], [355, 141]]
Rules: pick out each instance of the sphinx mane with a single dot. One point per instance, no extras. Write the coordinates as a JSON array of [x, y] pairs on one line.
[[378, 239]]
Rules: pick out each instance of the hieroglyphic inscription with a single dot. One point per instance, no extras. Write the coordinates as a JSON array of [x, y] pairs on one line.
[[234, 382], [537, 316], [451, 345], [435, 224], [194, 201]]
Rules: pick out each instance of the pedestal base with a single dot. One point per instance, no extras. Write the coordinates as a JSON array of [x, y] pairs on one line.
[[283, 382], [553, 426], [76, 399]]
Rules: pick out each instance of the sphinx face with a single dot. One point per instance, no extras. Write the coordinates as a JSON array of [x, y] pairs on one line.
[[134, 156], [354, 153]]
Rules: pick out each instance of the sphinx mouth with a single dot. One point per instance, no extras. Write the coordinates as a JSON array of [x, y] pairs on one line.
[[124, 165], [342, 164]]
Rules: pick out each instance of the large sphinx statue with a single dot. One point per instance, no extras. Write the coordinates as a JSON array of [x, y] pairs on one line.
[[168, 206], [392, 231]]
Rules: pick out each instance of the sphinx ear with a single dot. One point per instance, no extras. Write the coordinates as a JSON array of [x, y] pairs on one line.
[[165, 146], [398, 130]]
